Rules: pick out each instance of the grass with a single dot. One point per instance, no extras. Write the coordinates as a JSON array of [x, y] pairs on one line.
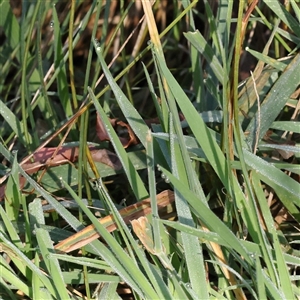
[[155, 169]]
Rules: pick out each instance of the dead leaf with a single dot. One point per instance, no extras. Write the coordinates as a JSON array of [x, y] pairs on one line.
[[124, 131], [142, 229]]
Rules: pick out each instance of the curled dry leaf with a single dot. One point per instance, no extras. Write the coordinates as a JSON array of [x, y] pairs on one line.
[[125, 133]]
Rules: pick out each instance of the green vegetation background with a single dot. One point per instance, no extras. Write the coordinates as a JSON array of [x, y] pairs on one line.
[[197, 122]]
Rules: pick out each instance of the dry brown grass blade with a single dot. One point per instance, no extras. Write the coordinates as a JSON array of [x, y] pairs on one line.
[[147, 6], [132, 212]]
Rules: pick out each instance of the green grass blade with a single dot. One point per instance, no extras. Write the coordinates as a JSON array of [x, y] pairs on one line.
[[212, 222], [14, 279], [39, 291], [215, 157], [199, 42], [89, 60], [292, 126], [268, 60], [18, 254], [157, 282], [10, 25], [279, 181], [61, 79], [13, 234], [6, 290], [153, 94], [242, 280], [108, 291], [192, 248], [274, 102], [272, 290], [261, 288], [152, 190], [283, 273], [129, 270], [204, 236], [284, 15], [69, 218], [197, 71], [12, 193], [132, 116], [25, 64], [13, 121], [46, 247], [84, 261], [202, 134], [132, 175]]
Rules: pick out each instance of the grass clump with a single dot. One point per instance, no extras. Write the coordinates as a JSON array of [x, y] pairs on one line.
[[160, 169]]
